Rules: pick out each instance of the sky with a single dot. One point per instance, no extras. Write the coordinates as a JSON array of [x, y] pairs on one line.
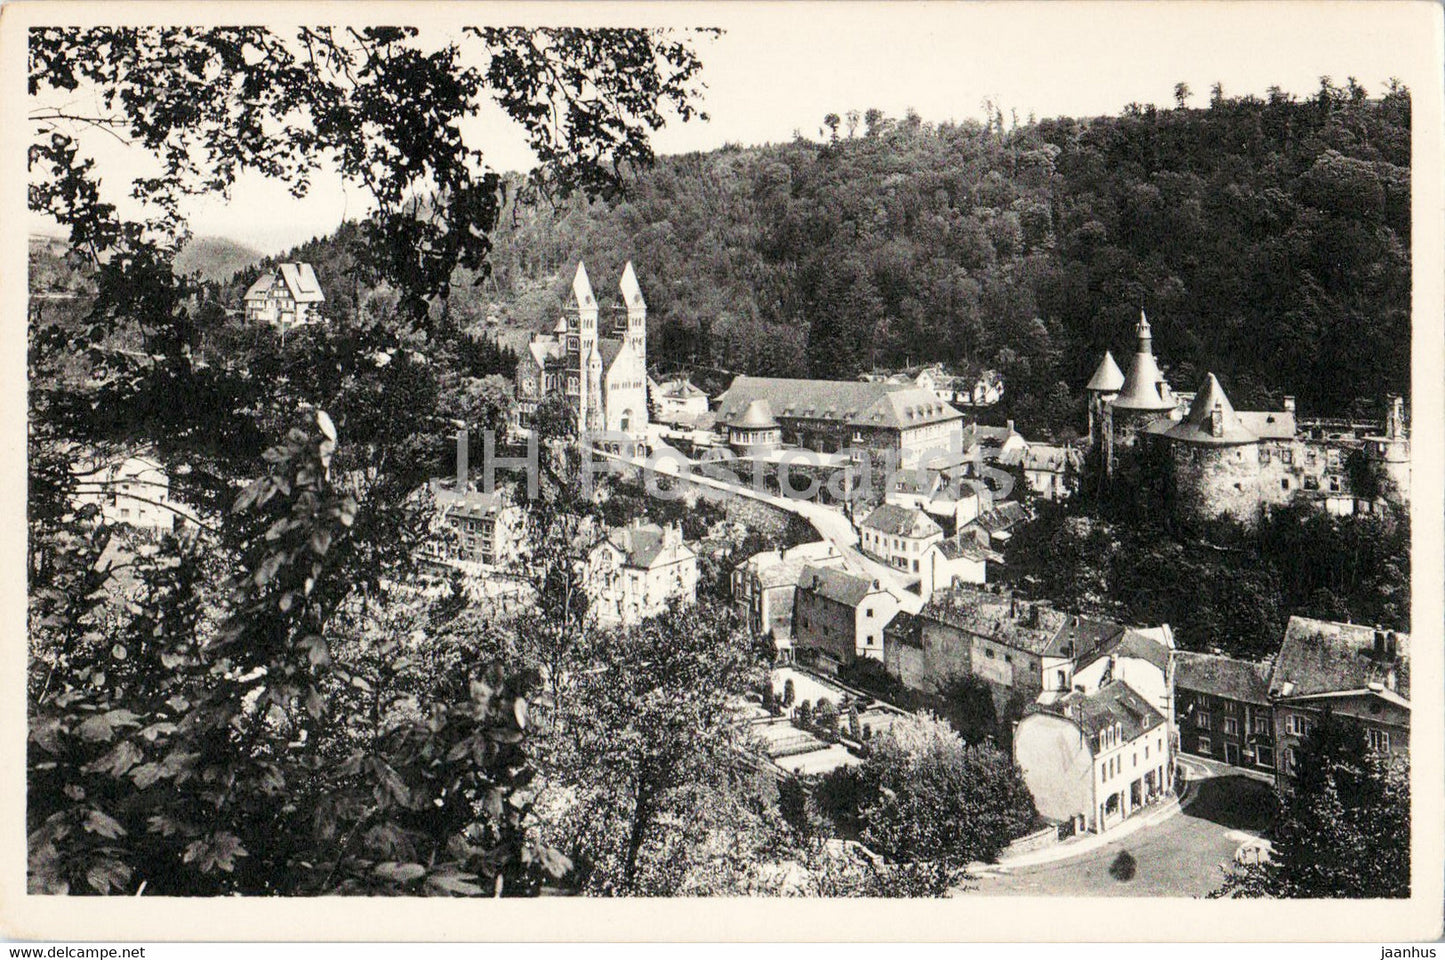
[[780, 67]]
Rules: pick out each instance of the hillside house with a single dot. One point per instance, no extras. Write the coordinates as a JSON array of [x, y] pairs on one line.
[[287, 296], [764, 587], [637, 570], [1354, 671], [1223, 710], [839, 616], [1094, 759]]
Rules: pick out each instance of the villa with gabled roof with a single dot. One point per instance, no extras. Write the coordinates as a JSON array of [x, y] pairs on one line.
[[287, 296]]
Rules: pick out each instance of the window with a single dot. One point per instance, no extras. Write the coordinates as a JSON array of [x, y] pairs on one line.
[[868, 612], [1228, 706], [1146, 751], [1291, 756], [1201, 720], [988, 652], [1379, 740], [1298, 726], [1259, 725], [1231, 726], [1204, 746], [1284, 484]]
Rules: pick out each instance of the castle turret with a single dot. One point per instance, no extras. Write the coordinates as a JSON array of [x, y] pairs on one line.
[[1215, 457], [1144, 389], [1103, 387], [1144, 397]]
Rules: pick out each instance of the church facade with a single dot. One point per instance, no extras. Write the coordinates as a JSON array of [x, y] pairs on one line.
[[599, 364]]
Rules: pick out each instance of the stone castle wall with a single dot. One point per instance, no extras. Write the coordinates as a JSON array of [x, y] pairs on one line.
[[1217, 481]]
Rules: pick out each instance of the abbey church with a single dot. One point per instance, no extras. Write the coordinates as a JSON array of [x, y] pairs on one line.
[[1238, 462], [600, 367]]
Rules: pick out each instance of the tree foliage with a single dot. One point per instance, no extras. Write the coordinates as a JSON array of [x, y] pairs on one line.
[[1344, 831]]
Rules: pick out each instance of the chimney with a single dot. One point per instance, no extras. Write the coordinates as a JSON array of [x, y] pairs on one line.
[[1380, 643], [1216, 421], [462, 460], [1288, 404], [1010, 426]]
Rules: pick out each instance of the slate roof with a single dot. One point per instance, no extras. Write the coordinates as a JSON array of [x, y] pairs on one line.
[[852, 402], [1321, 656], [631, 289], [302, 283], [1196, 427], [681, 389], [1220, 676], [1024, 626], [758, 415], [965, 544], [1085, 637], [898, 521], [1107, 378], [262, 286], [839, 586], [642, 544], [905, 628], [1144, 387], [1000, 518], [1043, 456], [1268, 424], [1115, 702]]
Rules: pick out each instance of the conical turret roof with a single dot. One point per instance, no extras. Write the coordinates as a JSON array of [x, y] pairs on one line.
[[757, 415], [1108, 378], [1144, 388], [1198, 425]]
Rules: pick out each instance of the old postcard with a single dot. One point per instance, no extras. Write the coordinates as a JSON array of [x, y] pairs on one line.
[[645, 471]]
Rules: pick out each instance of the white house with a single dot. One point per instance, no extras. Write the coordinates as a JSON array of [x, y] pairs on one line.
[[1050, 470], [134, 490], [943, 493], [637, 570], [898, 536], [285, 297], [962, 558], [1141, 657], [1094, 759], [678, 401]]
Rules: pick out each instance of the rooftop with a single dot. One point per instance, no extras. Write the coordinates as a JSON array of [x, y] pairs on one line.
[[855, 403], [1221, 676], [1113, 703], [894, 520], [839, 586], [1323, 656]]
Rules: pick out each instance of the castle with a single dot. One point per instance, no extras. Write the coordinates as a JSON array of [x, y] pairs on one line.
[[603, 374], [1238, 462]]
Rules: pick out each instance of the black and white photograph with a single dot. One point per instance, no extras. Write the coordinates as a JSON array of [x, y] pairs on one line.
[[958, 453]]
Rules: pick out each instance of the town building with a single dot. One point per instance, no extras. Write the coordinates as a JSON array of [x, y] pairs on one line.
[[953, 561], [636, 571], [764, 587], [1050, 471], [601, 372], [475, 533], [891, 423], [678, 402], [1094, 759], [1223, 710], [752, 431], [1354, 671], [898, 536], [131, 489], [947, 494], [839, 616], [1142, 657], [287, 296]]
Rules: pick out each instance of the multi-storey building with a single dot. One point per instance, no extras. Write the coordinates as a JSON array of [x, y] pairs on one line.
[[897, 422], [602, 373], [1356, 672], [287, 296], [1223, 710], [1238, 462], [1095, 758], [636, 571], [839, 616], [764, 587]]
